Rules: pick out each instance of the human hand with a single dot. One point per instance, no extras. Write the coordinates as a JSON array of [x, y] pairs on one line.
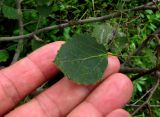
[[64, 98]]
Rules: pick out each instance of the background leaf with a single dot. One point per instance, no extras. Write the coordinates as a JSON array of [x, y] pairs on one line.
[[82, 59], [103, 33], [3, 55], [44, 10], [36, 44], [9, 12]]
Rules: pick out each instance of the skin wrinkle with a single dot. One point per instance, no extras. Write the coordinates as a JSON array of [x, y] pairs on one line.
[[54, 102], [37, 67], [41, 107], [77, 90], [78, 93], [94, 107], [86, 109], [44, 57], [16, 97], [118, 112], [23, 78]]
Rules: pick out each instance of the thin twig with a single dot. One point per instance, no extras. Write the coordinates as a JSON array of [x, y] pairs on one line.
[[72, 23], [148, 99], [149, 110], [132, 70], [145, 73], [155, 3], [37, 38], [20, 42], [143, 96], [29, 23], [135, 106]]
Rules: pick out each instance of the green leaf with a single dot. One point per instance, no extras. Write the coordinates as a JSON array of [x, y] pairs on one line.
[[82, 59], [103, 33], [149, 57], [9, 12], [44, 10], [3, 55], [149, 12], [139, 87], [67, 32], [11, 47], [36, 44], [119, 44]]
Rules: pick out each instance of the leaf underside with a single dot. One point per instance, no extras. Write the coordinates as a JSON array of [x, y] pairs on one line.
[[82, 59]]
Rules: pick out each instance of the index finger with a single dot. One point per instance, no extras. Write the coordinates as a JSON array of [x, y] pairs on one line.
[[26, 75]]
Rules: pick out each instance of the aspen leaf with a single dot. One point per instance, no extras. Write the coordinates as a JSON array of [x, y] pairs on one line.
[[82, 59], [103, 33]]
